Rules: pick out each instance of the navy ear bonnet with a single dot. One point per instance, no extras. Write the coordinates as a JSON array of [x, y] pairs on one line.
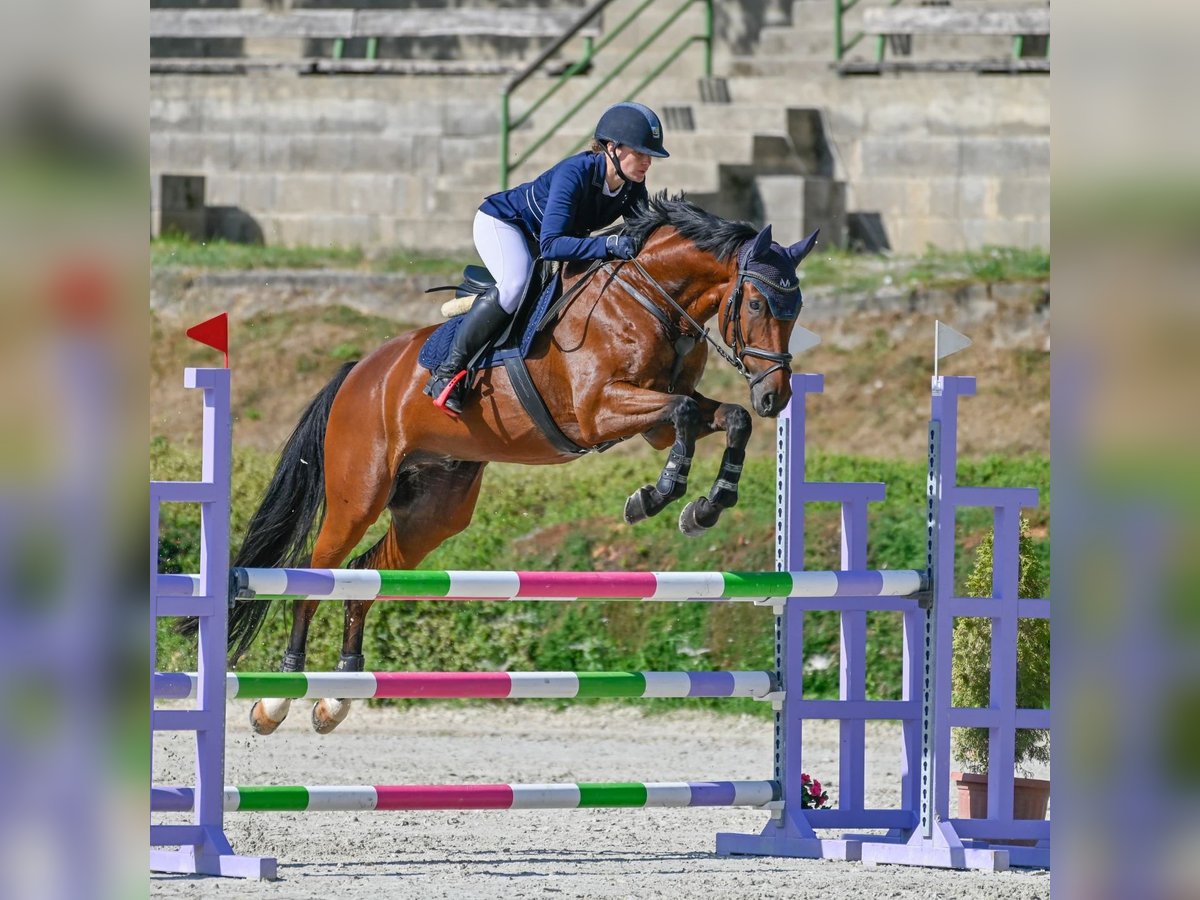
[[774, 275]]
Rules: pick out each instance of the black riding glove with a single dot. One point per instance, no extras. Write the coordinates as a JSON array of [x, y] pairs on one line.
[[620, 246]]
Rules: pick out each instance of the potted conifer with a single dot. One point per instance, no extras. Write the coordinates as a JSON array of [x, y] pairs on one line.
[[971, 686]]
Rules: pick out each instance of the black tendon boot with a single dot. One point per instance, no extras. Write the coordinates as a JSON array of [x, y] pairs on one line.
[[482, 322]]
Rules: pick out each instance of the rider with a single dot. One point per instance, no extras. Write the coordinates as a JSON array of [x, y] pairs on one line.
[[556, 214]]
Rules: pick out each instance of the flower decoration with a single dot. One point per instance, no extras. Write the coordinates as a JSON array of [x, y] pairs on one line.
[[811, 795]]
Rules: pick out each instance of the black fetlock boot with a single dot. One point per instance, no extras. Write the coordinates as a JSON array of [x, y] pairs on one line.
[[482, 322]]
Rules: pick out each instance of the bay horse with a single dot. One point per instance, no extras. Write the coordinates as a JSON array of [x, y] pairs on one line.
[[622, 359]]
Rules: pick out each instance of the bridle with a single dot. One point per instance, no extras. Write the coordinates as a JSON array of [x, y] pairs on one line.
[[733, 310], [731, 313]]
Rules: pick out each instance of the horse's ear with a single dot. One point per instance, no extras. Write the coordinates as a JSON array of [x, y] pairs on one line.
[[802, 248], [761, 244]]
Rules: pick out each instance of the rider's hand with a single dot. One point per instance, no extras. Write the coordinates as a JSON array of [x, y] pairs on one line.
[[620, 246]]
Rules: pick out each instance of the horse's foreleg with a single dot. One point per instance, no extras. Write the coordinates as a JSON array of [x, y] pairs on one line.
[[328, 713], [684, 414], [702, 513], [268, 714]]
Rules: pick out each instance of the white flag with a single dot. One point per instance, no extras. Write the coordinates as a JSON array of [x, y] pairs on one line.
[[802, 339], [946, 341]]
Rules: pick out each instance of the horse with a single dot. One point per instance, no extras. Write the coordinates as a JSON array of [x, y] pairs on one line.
[[622, 358]]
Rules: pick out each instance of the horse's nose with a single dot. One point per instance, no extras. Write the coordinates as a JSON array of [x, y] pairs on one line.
[[768, 403]]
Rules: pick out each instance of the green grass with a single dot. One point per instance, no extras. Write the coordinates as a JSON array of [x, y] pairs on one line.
[[570, 519], [851, 272], [859, 273], [176, 250]]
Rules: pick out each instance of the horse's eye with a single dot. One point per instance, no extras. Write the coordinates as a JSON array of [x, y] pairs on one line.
[[756, 305]]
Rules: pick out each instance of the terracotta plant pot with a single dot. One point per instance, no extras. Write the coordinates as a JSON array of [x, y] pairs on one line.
[[1031, 798]]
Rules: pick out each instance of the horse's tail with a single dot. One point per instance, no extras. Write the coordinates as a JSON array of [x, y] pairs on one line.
[[293, 503]]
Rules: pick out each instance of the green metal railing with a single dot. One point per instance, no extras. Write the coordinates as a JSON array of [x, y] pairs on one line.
[[841, 44], [509, 123]]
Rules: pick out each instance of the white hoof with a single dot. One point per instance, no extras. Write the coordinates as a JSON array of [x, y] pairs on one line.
[[328, 714], [267, 715]]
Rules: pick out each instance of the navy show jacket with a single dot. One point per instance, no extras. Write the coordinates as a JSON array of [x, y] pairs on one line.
[[560, 208]]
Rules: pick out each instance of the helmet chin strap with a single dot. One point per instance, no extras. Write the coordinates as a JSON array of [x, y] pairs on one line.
[[612, 154]]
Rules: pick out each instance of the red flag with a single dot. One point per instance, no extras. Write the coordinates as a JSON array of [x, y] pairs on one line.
[[213, 333]]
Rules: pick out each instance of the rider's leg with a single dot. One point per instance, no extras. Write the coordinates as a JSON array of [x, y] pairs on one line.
[[505, 252], [480, 324]]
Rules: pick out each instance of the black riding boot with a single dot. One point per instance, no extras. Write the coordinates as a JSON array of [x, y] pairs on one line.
[[482, 322]]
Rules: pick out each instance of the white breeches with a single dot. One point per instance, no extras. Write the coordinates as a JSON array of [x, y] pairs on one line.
[[505, 251]]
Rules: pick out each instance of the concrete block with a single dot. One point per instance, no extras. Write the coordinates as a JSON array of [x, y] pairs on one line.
[[1024, 197], [306, 194], [370, 153], [425, 149], [905, 120], [301, 153], [915, 235], [223, 190], [909, 158], [455, 153], [345, 231], [191, 150], [174, 113], [794, 205], [1039, 233], [275, 152], [434, 235], [278, 230], [330, 153], [408, 196], [247, 153], [257, 192], [361, 193], [905, 197], [160, 149], [1027, 157], [979, 233], [967, 197], [473, 118], [410, 116]]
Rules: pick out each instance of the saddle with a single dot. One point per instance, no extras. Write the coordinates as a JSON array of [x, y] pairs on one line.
[[517, 336], [513, 344]]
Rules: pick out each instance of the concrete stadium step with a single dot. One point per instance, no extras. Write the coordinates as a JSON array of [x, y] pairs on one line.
[[674, 173], [798, 42], [799, 69]]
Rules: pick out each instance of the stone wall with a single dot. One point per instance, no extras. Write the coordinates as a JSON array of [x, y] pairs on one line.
[[956, 160]]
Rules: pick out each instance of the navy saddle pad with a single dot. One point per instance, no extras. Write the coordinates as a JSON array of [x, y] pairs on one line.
[[437, 345]]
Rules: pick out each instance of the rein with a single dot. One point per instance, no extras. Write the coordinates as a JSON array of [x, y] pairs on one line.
[[732, 311]]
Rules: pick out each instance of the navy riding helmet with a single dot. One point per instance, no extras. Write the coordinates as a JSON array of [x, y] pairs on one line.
[[632, 125]]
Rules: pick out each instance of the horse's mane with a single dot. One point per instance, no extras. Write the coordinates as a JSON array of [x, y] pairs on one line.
[[709, 233]]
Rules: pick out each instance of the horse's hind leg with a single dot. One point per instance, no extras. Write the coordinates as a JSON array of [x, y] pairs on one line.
[[432, 501], [362, 492], [268, 714]]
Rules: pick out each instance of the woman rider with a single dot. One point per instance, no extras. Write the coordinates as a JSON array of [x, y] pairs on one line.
[[556, 213]]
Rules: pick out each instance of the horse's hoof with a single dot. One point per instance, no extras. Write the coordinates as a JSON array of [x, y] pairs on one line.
[[262, 722], [687, 521], [636, 507], [329, 714]]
